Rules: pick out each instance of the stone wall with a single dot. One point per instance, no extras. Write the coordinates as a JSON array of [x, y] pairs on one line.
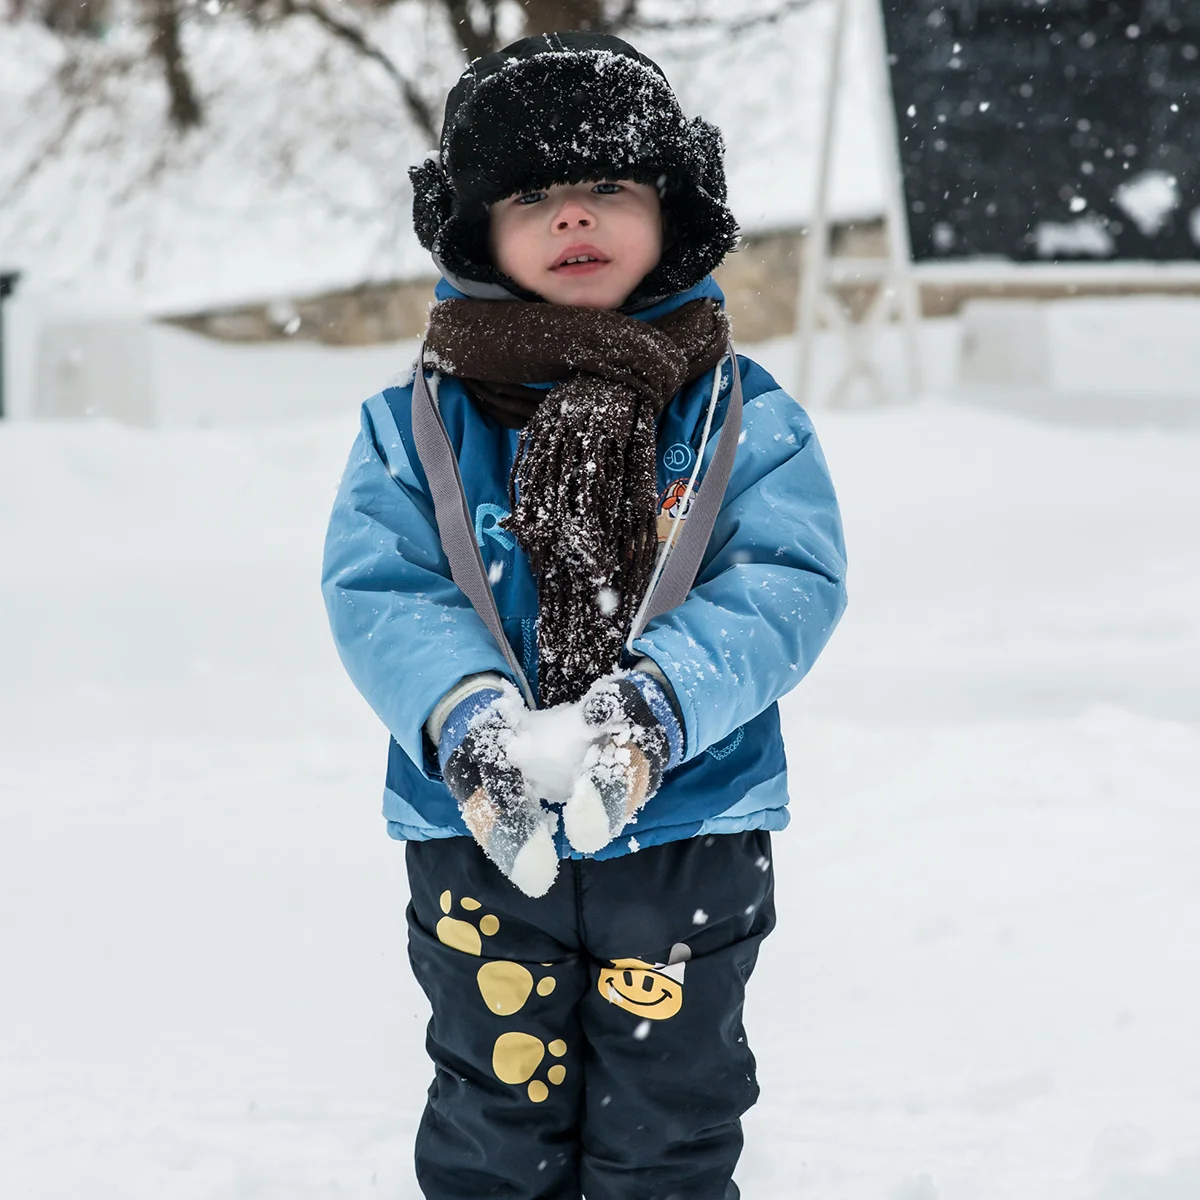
[[361, 316], [760, 280]]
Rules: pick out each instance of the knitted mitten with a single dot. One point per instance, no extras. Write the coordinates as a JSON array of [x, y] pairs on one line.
[[639, 736], [473, 740]]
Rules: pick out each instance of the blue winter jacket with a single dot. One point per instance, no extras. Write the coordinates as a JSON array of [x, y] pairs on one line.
[[769, 593]]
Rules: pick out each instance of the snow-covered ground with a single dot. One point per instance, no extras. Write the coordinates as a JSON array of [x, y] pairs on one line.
[[984, 983]]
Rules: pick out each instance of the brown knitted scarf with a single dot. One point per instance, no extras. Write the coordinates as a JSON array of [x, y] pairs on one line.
[[583, 488]]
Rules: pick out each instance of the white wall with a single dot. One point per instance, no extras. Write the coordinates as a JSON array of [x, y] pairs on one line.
[[66, 364]]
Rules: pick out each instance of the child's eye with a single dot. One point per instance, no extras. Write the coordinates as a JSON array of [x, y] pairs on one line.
[[608, 189], [530, 198]]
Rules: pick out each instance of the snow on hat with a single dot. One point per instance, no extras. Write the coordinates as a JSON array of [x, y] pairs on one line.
[[567, 108]]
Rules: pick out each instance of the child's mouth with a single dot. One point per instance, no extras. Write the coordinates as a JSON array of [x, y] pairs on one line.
[[580, 262], [580, 268]]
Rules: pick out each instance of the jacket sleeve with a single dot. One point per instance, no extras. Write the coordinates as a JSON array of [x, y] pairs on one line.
[[772, 586], [405, 632]]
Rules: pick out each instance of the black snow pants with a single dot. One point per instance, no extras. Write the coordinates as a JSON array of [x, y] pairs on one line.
[[588, 1043]]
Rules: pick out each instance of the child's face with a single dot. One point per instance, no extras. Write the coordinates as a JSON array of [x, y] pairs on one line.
[[616, 227]]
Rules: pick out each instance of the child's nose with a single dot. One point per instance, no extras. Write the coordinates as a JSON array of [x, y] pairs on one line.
[[573, 215]]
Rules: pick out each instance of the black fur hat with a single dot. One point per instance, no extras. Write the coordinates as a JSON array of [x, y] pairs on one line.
[[567, 108]]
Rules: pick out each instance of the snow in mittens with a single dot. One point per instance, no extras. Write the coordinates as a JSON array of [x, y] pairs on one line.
[[549, 747]]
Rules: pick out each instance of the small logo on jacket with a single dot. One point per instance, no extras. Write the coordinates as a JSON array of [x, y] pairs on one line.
[[677, 457], [671, 507], [487, 525]]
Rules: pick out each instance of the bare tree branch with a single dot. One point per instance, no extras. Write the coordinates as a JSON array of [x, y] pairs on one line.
[[47, 152], [551, 16], [541, 16], [78, 86], [185, 111], [69, 18], [622, 18], [422, 113], [724, 25], [475, 42]]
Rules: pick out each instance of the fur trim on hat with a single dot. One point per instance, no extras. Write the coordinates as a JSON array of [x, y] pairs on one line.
[[568, 108]]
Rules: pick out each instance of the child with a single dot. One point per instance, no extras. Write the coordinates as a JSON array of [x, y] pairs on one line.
[[586, 1029]]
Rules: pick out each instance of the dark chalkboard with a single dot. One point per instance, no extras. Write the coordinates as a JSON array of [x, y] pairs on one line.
[[1061, 130]]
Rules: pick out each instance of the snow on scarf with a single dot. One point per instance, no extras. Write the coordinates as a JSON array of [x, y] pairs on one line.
[[583, 485]]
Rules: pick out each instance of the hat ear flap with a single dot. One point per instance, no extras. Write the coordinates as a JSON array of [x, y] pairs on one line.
[[708, 149], [433, 201]]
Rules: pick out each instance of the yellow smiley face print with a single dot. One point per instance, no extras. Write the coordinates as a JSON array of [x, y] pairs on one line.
[[653, 991]]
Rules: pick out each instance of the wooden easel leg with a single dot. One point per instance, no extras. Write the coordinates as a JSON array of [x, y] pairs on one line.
[[813, 268]]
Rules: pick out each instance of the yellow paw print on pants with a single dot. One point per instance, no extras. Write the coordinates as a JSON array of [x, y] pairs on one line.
[[460, 934], [505, 987], [516, 1056]]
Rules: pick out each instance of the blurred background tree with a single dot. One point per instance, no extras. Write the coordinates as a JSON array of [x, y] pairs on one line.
[[71, 18], [192, 148], [479, 26]]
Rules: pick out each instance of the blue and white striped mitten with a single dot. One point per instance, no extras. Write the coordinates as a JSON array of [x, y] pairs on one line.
[[473, 728], [639, 736]]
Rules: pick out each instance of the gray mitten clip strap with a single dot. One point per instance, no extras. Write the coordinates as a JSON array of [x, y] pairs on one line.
[[683, 562], [455, 529]]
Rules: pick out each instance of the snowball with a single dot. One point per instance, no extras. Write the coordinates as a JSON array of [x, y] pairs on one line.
[[548, 748]]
